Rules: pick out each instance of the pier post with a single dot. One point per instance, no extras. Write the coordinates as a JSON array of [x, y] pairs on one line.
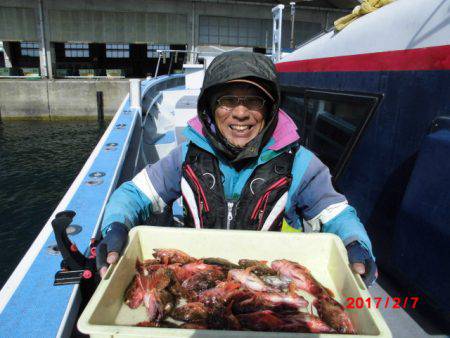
[[100, 114]]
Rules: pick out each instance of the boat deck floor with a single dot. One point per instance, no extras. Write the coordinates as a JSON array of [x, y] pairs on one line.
[[404, 323]]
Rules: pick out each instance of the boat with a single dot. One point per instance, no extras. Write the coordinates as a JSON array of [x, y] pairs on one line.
[[394, 76]]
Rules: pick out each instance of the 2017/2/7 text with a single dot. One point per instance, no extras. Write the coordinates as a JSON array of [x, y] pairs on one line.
[[378, 302]]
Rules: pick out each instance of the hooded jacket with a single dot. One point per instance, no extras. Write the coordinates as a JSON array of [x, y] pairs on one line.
[[228, 67], [312, 204]]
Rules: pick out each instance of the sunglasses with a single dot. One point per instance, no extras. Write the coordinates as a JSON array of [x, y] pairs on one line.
[[232, 101]]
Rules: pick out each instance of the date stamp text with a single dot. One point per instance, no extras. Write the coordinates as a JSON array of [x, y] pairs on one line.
[[379, 302]]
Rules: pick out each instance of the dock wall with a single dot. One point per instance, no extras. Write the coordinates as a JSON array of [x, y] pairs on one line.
[[21, 98]]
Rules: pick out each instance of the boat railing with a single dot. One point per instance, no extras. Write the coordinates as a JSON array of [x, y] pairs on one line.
[[87, 196], [194, 55]]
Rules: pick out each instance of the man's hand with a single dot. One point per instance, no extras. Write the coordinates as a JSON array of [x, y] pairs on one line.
[[111, 246], [362, 262]]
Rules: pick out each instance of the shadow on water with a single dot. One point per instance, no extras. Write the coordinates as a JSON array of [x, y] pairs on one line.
[[38, 162]]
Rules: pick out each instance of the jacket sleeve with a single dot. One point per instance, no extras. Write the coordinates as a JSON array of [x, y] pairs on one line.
[[323, 208], [156, 186]]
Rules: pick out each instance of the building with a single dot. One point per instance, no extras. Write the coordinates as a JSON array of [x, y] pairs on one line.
[[61, 38]]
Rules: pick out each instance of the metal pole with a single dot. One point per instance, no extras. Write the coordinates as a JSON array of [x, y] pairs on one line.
[[170, 64], [192, 56], [157, 65], [43, 62], [100, 115], [292, 3]]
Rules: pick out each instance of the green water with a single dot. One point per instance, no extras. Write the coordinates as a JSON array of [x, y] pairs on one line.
[[38, 162]]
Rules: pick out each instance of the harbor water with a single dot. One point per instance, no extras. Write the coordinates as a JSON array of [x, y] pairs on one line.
[[38, 162]]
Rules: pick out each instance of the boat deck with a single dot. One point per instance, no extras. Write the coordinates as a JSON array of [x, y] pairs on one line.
[[403, 323]]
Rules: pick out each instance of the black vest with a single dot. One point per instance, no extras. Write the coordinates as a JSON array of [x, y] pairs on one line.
[[260, 205]]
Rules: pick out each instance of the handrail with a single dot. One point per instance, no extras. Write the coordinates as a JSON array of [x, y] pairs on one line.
[[161, 51]]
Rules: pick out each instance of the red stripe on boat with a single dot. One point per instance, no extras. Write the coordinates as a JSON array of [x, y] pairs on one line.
[[430, 58]]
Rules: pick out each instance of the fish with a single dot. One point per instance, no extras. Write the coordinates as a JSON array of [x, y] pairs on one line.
[[300, 276], [265, 320], [193, 326], [307, 322], [148, 266], [194, 312], [134, 295], [158, 301], [333, 313], [279, 282], [221, 317], [278, 298], [150, 291], [221, 294], [249, 280], [188, 270], [165, 324], [275, 301], [225, 264], [259, 268], [171, 256], [225, 296], [203, 280]]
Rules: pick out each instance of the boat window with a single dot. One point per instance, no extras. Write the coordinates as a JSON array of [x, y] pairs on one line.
[[329, 123]]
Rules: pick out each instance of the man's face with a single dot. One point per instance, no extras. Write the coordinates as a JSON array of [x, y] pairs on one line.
[[240, 120]]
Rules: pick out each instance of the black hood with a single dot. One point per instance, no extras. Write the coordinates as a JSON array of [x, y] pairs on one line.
[[231, 66]]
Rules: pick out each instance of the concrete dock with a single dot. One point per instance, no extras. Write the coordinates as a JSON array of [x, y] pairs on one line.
[[52, 99]]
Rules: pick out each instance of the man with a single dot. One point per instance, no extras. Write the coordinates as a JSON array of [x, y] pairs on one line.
[[240, 168]]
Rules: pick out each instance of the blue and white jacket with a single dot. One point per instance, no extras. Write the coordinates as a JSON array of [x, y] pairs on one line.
[[312, 204]]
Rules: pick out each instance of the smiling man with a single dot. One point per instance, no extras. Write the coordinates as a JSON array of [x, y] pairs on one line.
[[241, 168]]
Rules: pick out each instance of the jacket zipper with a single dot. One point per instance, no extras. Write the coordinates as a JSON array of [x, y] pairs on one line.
[[230, 214]]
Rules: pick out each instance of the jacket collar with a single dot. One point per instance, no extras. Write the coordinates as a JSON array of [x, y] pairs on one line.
[[285, 133]]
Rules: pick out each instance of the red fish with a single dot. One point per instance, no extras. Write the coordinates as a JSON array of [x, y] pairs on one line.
[[193, 326], [259, 268], [135, 292], [188, 270], [150, 290], [148, 266], [222, 293], [261, 321], [171, 256], [191, 312], [276, 300], [301, 277], [249, 280], [334, 314], [203, 280], [305, 322]]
